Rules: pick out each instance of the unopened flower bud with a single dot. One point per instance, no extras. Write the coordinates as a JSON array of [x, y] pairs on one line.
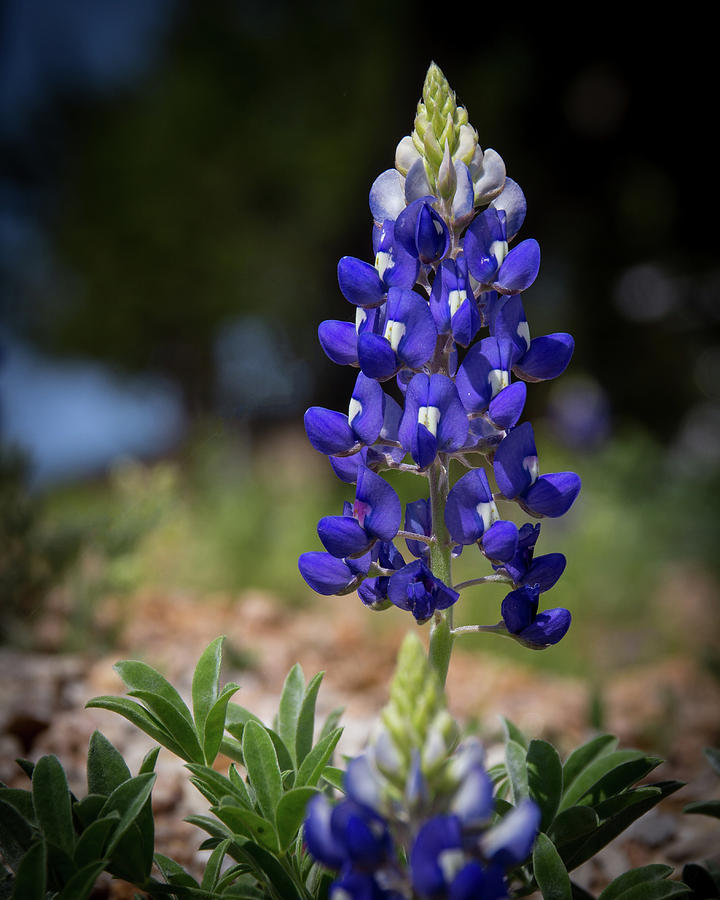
[[447, 176]]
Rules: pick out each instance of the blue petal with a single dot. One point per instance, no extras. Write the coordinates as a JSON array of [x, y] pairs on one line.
[[319, 839], [473, 380], [453, 424], [548, 628], [377, 358], [366, 409], [485, 245], [432, 237], [416, 183], [362, 783], [346, 467], [464, 199], [466, 322], [343, 536], [359, 282], [545, 571], [409, 310], [512, 200], [552, 495], [547, 357], [519, 608], [507, 406], [383, 509], [361, 832], [328, 431], [511, 840], [470, 509], [325, 574], [339, 341], [473, 801], [500, 541], [387, 196], [434, 836], [519, 269], [515, 462], [475, 883], [418, 519]]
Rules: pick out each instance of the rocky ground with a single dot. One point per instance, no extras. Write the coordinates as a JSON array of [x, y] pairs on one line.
[[671, 708]]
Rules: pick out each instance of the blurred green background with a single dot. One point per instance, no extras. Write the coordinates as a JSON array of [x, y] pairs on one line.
[[178, 181]]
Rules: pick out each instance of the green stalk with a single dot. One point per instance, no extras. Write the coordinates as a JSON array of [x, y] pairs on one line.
[[441, 637]]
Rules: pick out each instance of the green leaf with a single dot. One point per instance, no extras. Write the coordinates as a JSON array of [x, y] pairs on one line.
[[654, 890], [704, 808], [334, 777], [173, 872], [701, 880], [513, 733], [712, 754], [549, 870], [127, 799], [139, 717], [21, 800], [312, 766], [289, 709], [16, 835], [573, 823], [614, 805], [545, 779], [262, 767], [517, 770], [212, 826], [616, 824], [240, 787], [247, 823], [106, 768], [91, 843], [593, 772], [174, 723], [27, 766], [31, 878], [214, 725], [138, 676], [331, 722], [583, 756], [290, 814], [214, 864], [306, 719], [502, 807], [236, 729], [88, 809], [51, 799], [283, 887], [618, 780], [218, 785], [206, 681], [149, 761], [82, 882], [634, 877]]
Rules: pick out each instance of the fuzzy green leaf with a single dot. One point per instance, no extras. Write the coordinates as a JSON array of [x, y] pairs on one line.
[[138, 676], [213, 865], [594, 771], [262, 767], [206, 681], [314, 763], [127, 799], [335, 777], [331, 721], [573, 823], [290, 705], [654, 890], [214, 725], [545, 779], [549, 870], [218, 785], [247, 823], [106, 768], [51, 799], [517, 770], [91, 843], [173, 872], [614, 805], [290, 814], [21, 800], [634, 877], [513, 733], [88, 809], [140, 718], [704, 808], [583, 756], [174, 723], [618, 780], [306, 719], [31, 878], [81, 883], [16, 835]]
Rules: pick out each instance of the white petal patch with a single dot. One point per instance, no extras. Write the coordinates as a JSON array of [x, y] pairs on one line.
[[438, 226], [488, 513], [499, 249], [394, 332], [532, 467], [499, 379], [523, 332], [456, 300], [360, 317], [450, 862], [354, 409], [429, 416], [383, 261]]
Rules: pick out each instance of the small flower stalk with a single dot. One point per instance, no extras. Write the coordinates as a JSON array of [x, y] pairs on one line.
[[444, 352]]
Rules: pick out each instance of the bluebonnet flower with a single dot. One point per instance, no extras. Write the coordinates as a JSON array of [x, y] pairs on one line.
[[440, 326], [528, 626]]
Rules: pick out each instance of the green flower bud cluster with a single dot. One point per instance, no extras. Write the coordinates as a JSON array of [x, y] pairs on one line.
[[415, 726]]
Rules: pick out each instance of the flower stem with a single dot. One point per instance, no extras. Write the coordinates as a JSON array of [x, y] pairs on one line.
[[441, 636]]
